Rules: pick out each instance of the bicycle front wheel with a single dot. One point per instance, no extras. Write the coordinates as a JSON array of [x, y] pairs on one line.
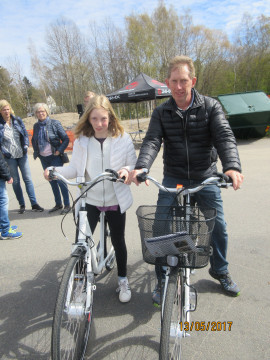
[[173, 319], [72, 320], [107, 247]]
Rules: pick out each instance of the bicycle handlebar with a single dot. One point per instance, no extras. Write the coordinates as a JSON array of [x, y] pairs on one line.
[[221, 180], [109, 174]]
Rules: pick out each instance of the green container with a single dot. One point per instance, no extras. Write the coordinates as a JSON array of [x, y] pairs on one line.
[[248, 113]]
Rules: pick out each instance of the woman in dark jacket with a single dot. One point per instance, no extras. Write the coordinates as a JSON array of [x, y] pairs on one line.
[[49, 143], [14, 143], [6, 231]]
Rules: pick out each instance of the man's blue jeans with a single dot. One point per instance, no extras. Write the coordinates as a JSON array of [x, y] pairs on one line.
[[208, 197], [22, 164], [4, 220], [53, 160]]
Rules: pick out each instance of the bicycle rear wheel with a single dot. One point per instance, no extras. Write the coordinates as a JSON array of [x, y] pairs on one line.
[[173, 316], [72, 321]]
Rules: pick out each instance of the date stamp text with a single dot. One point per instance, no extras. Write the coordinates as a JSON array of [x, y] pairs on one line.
[[206, 326]]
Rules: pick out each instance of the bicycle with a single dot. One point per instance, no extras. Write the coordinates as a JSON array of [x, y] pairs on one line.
[[73, 312], [177, 237]]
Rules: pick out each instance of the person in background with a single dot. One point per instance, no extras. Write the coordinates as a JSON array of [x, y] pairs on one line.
[[49, 142], [87, 96], [6, 231], [193, 129], [14, 144], [101, 144]]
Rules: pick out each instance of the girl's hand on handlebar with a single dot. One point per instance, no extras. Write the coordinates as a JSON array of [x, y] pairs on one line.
[[124, 173], [46, 174], [237, 178]]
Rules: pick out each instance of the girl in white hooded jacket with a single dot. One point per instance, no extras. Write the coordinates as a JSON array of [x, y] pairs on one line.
[[101, 143]]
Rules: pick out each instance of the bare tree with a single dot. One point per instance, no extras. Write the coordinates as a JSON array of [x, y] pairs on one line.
[[109, 56], [39, 70], [67, 56], [167, 29], [17, 79]]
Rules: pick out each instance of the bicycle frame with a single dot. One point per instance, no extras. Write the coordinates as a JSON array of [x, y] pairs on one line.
[[186, 275], [95, 259]]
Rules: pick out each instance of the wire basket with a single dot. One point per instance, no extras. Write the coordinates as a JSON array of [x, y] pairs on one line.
[[176, 230]]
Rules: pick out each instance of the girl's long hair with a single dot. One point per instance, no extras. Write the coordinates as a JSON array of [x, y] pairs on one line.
[[98, 102]]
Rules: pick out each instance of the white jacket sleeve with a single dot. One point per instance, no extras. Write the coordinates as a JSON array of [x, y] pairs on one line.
[[73, 169]]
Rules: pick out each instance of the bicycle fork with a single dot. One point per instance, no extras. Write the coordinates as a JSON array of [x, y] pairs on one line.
[[190, 296]]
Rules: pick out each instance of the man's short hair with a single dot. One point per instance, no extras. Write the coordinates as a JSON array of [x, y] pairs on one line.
[[179, 61]]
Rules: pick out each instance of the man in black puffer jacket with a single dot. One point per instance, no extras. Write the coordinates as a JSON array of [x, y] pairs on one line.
[[193, 130]]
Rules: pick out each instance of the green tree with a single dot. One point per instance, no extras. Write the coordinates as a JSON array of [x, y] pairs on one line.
[[5, 84], [141, 46], [251, 54]]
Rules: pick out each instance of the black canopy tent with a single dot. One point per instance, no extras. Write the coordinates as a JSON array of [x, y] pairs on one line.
[[142, 88]]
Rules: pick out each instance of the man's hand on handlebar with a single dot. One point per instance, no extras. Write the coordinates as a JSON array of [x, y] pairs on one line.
[[133, 176], [237, 178]]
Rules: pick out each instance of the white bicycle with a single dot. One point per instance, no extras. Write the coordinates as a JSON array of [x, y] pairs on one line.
[[74, 305], [177, 237]]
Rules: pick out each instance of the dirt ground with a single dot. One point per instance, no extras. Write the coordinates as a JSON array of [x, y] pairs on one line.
[[69, 120]]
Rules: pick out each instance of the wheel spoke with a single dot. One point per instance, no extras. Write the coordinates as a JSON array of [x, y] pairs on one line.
[[71, 326], [171, 331]]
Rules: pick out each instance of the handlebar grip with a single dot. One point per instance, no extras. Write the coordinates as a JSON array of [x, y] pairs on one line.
[[51, 176], [141, 177], [116, 175], [113, 172], [225, 177]]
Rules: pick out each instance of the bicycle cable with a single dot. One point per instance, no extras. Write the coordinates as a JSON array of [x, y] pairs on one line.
[[74, 202]]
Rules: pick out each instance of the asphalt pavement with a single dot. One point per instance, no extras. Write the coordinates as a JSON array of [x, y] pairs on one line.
[[31, 269]]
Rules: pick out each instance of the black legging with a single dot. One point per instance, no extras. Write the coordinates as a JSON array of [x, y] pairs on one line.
[[117, 222]]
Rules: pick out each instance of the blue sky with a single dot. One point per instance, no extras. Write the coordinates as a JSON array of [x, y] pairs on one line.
[[22, 20]]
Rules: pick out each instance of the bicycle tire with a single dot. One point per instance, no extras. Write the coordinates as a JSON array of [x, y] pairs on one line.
[[71, 322], [108, 244], [173, 315]]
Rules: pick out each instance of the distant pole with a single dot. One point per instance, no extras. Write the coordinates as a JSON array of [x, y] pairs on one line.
[[137, 117]]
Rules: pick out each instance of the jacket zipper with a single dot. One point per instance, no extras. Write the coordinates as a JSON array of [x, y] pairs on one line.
[[184, 123], [187, 143], [102, 164]]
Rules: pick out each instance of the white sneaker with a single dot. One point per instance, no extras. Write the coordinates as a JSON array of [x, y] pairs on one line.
[[124, 291]]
